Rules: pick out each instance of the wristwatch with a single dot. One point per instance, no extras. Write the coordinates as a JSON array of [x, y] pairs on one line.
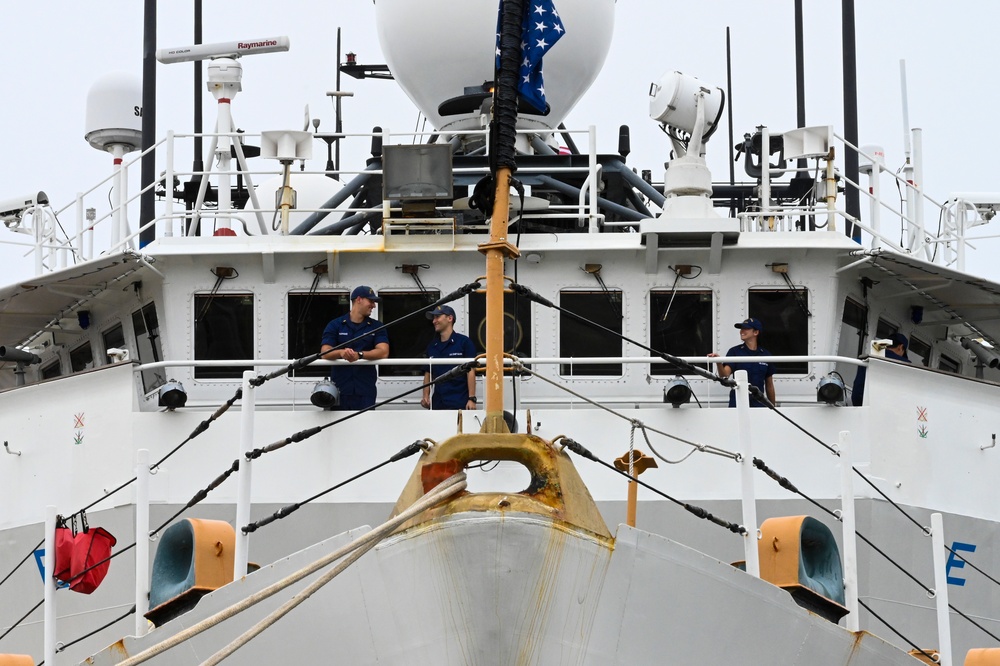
[[472, 398], [361, 354]]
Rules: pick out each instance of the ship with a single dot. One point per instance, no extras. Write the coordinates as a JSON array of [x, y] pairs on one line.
[[169, 426]]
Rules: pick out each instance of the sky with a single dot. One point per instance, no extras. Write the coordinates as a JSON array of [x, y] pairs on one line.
[[58, 49]]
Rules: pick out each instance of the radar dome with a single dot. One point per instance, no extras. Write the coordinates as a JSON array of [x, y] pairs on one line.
[[114, 112], [438, 48]]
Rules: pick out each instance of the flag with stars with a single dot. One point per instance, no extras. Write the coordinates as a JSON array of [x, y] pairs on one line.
[[540, 29]]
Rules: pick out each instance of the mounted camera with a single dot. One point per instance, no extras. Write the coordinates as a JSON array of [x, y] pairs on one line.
[[11, 210]]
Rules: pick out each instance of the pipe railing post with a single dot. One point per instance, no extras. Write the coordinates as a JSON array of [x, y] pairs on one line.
[[941, 589], [746, 474], [141, 540], [593, 190], [49, 566], [849, 525], [241, 555]]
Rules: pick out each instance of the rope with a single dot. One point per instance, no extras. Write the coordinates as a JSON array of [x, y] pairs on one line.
[[453, 485]]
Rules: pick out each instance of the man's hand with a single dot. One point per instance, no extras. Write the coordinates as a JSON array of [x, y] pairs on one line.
[[425, 402], [350, 355]]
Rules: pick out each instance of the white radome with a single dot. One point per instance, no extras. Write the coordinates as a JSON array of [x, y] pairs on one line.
[[114, 112], [436, 48]]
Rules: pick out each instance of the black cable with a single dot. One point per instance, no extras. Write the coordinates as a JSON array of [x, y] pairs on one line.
[[25, 559], [961, 558], [457, 371], [201, 427], [760, 397], [99, 629], [289, 509], [582, 451], [896, 631], [201, 494], [976, 624], [913, 520], [21, 619], [784, 483]]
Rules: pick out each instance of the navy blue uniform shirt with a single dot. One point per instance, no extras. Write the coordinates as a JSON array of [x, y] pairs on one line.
[[454, 393], [757, 371], [356, 382]]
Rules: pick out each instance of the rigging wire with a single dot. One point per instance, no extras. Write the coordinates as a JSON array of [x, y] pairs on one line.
[[287, 510], [457, 371], [896, 631], [705, 448], [583, 452], [73, 642]]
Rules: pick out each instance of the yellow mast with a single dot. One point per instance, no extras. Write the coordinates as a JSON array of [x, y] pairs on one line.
[[496, 250]]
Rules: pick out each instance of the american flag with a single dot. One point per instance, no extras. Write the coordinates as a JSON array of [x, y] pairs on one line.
[[540, 29]]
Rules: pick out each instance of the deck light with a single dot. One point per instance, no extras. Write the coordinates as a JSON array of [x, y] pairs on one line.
[[677, 392], [325, 395], [830, 390], [172, 395]]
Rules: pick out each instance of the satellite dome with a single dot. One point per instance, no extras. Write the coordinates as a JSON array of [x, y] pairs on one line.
[[436, 49], [114, 112]]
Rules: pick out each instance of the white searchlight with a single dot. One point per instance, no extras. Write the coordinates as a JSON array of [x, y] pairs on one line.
[[325, 395]]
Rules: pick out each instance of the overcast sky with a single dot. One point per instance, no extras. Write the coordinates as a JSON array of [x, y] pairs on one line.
[[54, 50]]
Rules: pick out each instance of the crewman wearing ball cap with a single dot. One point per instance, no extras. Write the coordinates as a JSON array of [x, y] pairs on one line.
[[459, 392], [759, 373], [354, 337]]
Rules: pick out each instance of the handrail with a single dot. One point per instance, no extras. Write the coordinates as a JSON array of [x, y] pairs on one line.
[[540, 360]]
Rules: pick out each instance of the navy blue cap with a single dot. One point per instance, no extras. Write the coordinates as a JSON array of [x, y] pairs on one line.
[[752, 322], [899, 339], [441, 310], [366, 292]]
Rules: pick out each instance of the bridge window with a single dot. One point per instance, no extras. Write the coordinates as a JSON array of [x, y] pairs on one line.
[[680, 324], [578, 340], [223, 330], [52, 370], [408, 338], [113, 338], [308, 315], [147, 345], [948, 364], [885, 329], [919, 351], [81, 358], [854, 329], [786, 324], [516, 324]]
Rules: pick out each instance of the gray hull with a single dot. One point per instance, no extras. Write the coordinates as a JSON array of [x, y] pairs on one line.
[[511, 589]]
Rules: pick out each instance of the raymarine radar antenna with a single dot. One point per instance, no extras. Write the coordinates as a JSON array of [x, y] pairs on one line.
[[225, 76], [236, 49]]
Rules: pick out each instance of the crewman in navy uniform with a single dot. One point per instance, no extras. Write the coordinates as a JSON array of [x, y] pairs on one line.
[[458, 392], [759, 373], [356, 383]]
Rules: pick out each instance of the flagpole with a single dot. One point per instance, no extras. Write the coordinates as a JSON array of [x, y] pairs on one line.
[[499, 248]]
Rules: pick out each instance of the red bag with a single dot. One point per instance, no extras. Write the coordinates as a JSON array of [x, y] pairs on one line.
[[90, 547], [65, 541]]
